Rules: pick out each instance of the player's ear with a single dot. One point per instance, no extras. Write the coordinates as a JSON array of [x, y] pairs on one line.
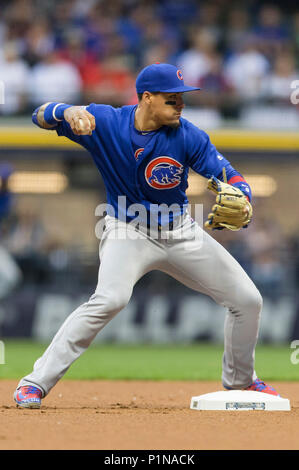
[[147, 97]]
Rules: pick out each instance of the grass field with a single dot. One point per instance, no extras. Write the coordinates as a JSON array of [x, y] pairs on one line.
[[150, 362]]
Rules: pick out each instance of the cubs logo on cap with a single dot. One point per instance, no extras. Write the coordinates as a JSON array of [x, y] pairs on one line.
[[163, 173], [180, 75], [164, 78]]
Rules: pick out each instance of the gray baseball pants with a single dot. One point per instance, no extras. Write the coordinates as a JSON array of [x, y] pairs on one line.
[[188, 254]]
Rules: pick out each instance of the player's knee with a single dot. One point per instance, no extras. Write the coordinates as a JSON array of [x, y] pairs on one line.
[[110, 302], [116, 304], [252, 300]]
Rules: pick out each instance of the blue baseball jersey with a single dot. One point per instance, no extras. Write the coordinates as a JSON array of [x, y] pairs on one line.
[[149, 168]]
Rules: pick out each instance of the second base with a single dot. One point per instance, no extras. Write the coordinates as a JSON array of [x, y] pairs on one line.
[[239, 400]]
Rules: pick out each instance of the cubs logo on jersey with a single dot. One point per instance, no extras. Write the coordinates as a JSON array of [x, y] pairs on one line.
[[163, 173], [138, 153]]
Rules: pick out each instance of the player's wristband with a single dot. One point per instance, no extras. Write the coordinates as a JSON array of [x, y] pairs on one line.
[[54, 112], [239, 182], [245, 188]]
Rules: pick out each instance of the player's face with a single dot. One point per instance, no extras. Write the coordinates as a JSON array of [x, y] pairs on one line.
[[167, 108]]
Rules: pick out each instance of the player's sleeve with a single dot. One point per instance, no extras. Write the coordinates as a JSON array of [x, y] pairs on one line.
[[206, 160], [103, 114], [63, 129]]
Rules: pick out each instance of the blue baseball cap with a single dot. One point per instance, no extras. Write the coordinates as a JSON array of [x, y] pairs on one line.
[[164, 78]]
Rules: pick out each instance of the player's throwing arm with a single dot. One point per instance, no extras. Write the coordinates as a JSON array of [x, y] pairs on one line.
[[80, 120]]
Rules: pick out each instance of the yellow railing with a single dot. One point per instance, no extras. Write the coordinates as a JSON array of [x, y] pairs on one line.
[[223, 139], [24, 137]]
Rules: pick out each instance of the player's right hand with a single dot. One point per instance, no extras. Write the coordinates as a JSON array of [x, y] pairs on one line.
[[81, 121]]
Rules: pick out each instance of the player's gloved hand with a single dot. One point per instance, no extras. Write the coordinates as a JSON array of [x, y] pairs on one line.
[[81, 121], [232, 209]]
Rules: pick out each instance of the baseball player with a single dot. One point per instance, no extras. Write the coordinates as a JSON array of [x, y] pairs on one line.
[[143, 153]]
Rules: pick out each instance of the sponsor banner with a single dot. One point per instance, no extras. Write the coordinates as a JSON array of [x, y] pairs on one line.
[[159, 318]]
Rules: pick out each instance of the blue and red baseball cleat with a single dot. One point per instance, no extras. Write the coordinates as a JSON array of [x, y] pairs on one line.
[[260, 386], [28, 397]]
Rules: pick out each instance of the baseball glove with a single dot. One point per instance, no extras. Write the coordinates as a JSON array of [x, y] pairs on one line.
[[232, 209]]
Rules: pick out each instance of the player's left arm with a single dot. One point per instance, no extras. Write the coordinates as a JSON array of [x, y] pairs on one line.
[[233, 208], [205, 159]]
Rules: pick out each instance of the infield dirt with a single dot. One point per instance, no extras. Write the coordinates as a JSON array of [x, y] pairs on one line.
[[118, 415]]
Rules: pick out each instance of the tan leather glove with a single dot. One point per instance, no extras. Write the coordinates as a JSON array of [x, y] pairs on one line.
[[232, 209]]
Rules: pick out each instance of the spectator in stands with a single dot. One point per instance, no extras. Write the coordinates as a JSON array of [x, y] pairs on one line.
[[246, 70], [266, 246], [210, 19], [160, 35], [157, 53], [178, 12], [17, 16], [277, 85], [38, 41], [262, 253], [25, 239], [15, 74], [295, 36], [100, 26], [195, 62], [81, 9], [269, 274], [110, 80], [271, 31], [293, 258], [236, 29], [217, 92], [53, 79], [62, 20], [75, 52], [132, 28]]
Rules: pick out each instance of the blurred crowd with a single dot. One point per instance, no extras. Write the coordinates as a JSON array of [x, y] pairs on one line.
[[83, 51]]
